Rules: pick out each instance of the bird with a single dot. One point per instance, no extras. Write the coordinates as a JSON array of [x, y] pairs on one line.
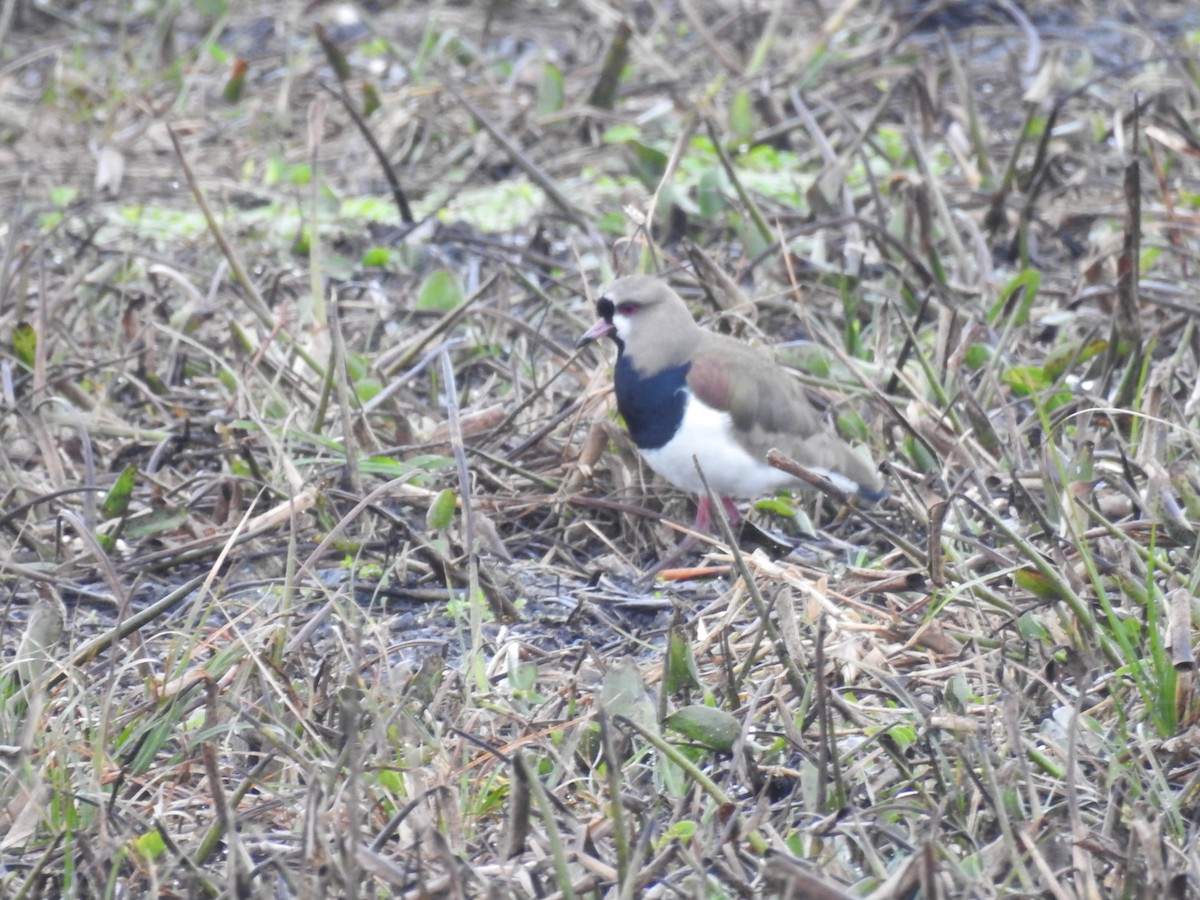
[[690, 396]]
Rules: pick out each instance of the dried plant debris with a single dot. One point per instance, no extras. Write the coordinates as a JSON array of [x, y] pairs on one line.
[[328, 568]]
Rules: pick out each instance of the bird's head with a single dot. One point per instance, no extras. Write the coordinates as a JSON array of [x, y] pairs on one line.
[[646, 319]]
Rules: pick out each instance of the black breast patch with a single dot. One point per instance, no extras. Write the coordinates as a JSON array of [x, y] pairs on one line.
[[651, 406]]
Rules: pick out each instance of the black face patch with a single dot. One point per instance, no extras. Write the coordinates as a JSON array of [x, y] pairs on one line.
[[652, 406], [605, 309]]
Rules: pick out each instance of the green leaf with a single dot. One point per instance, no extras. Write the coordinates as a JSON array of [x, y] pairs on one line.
[[977, 356], [550, 91], [1057, 361], [681, 831], [358, 366], [1029, 280], [441, 510], [780, 506], [904, 735], [802, 523], [706, 725], [917, 452], [741, 117], [623, 693], [157, 386], [367, 388], [333, 55], [236, 83], [116, 502], [1026, 380], [302, 243], [300, 174], [370, 99], [709, 194], [155, 522], [765, 158], [1032, 381], [523, 676], [273, 171], [390, 780], [150, 845], [957, 693], [612, 223], [852, 425], [646, 163], [619, 134], [439, 292], [1037, 584], [388, 467], [63, 195], [893, 143], [24, 344], [376, 256], [680, 672]]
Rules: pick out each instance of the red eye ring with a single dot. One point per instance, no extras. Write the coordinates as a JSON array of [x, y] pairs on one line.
[[626, 309]]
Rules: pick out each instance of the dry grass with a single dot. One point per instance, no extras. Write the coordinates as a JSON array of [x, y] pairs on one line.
[[321, 546]]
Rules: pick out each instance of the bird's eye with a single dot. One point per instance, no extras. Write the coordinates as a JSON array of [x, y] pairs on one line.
[[627, 309]]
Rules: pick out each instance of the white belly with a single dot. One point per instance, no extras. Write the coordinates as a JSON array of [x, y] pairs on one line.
[[707, 435]]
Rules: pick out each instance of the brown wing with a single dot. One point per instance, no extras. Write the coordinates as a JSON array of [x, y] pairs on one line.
[[769, 409], [760, 397]]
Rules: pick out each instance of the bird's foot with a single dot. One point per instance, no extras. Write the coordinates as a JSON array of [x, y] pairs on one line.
[[704, 516]]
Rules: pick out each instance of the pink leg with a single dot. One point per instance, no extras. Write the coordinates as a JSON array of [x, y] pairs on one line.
[[704, 515], [704, 520], [702, 525]]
